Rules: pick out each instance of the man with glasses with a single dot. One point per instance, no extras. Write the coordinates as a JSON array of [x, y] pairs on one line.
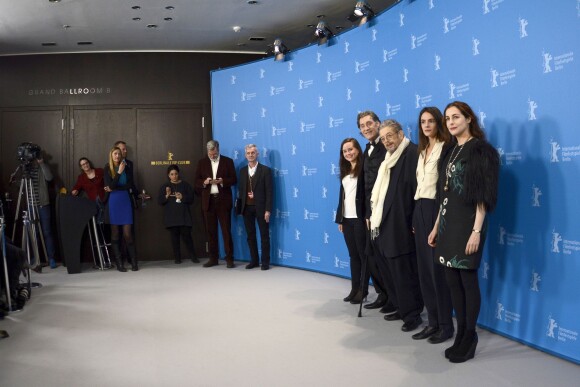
[[392, 203]]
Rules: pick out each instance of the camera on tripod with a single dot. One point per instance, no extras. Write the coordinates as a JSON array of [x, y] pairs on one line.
[[27, 151]]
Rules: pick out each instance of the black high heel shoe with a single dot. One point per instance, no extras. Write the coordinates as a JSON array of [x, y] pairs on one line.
[[458, 338], [466, 349], [350, 296]]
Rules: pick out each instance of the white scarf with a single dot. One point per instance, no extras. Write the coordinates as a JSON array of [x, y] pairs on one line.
[[381, 185]]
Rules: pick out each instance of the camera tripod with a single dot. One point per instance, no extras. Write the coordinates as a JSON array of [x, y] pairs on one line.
[[30, 220]]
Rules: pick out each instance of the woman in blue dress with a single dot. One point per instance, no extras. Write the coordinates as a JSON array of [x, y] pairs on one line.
[[117, 184]]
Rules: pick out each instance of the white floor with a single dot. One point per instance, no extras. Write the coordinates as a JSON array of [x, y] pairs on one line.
[[184, 325]]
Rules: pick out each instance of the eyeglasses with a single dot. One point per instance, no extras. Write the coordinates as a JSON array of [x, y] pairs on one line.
[[388, 136]]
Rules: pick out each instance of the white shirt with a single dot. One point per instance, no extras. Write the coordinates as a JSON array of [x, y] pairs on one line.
[[214, 167], [373, 144], [427, 173], [251, 170], [349, 205]]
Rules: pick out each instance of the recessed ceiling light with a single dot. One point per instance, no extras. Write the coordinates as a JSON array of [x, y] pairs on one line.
[[168, 18], [256, 39], [136, 18], [136, 7], [84, 43], [65, 26], [54, 1], [252, 2], [170, 7], [151, 25], [46, 44]]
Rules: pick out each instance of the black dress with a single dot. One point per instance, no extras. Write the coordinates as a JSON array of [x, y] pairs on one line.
[[457, 215]]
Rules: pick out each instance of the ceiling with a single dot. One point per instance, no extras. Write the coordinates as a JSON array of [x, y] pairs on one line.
[[190, 26]]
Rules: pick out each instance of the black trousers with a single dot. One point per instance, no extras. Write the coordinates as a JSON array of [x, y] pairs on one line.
[[218, 211], [177, 233], [434, 287], [250, 219], [354, 232], [403, 270]]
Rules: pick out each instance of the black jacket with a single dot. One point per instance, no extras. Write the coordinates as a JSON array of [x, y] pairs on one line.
[[359, 202], [262, 186], [370, 169]]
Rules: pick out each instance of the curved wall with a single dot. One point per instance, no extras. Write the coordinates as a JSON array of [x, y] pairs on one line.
[[511, 61]]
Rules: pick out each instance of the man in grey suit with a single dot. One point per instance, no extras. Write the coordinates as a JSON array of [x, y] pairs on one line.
[[256, 196]]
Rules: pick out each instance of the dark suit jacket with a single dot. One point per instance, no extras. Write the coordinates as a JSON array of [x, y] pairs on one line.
[[370, 168], [396, 235], [359, 201], [262, 186], [226, 171]]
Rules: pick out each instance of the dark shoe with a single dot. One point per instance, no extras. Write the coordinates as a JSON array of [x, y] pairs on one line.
[[359, 297], [412, 325], [37, 268], [378, 303], [350, 296], [393, 317], [388, 309], [117, 256], [53, 264], [132, 256], [458, 338], [210, 263], [251, 265], [466, 349], [194, 260], [177, 261], [265, 267], [427, 332], [440, 336], [230, 264]]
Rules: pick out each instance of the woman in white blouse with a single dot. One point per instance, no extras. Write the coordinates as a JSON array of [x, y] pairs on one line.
[[434, 141], [350, 214]]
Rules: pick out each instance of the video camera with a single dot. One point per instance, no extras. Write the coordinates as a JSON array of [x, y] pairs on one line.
[[27, 151]]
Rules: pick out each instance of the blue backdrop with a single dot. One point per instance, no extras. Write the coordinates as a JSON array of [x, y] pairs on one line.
[[511, 60]]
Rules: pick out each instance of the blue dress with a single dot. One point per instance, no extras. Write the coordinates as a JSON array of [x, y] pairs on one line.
[[119, 202]]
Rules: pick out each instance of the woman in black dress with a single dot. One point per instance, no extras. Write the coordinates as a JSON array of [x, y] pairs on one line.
[[467, 189], [176, 197], [350, 214]]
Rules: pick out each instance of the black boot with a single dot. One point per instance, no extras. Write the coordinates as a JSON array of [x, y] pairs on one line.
[[359, 297], [458, 338], [132, 256], [117, 256], [350, 295], [466, 349]]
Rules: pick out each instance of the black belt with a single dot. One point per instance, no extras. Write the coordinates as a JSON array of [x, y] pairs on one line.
[[215, 195]]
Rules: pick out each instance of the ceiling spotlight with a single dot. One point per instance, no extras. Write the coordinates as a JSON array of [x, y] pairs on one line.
[[362, 12], [322, 32], [280, 49]]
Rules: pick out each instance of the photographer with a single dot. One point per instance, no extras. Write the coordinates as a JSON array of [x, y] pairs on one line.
[[40, 175]]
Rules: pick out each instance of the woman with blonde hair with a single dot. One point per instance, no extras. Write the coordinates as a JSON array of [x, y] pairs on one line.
[[117, 184]]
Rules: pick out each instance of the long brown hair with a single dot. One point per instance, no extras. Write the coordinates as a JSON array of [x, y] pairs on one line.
[[441, 131], [465, 109], [112, 169], [345, 166]]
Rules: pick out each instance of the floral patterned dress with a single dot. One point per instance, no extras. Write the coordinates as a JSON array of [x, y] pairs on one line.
[[456, 217]]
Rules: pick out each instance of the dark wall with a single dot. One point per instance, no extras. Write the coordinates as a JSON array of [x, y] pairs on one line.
[[115, 78], [78, 105]]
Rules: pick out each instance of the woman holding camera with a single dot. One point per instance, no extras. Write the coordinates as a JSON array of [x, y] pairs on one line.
[[176, 197], [117, 184], [467, 186]]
